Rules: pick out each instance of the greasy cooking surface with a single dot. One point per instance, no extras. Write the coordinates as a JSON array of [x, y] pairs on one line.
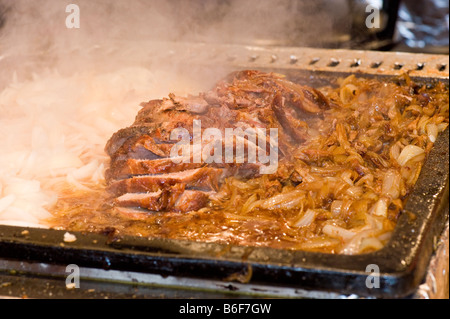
[[341, 191]]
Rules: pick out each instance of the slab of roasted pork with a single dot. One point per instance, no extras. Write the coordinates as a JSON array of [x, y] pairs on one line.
[[143, 176]]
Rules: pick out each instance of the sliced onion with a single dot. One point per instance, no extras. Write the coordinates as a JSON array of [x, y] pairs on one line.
[[63, 160], [99, 174], [354, 191], [374, 222], [21, 223], [392, 183], [252, 199], [408, 153], [74, 182], [442, 127], [20, 186], [283, 201], [432, 132], [395, 151], [346, 176], [336, 208], [423, 121], [239, 184], [86, 171], [385, 236], [370, 243], [367, 179], [380, 208], [14, 213], [307, 218], [353, 246], [319, 242], [6, 201], [338, 232]]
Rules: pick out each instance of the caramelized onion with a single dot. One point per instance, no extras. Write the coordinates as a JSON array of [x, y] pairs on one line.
[[336, 207], [306, 219], [338, 232], [393, 185], [408, 153], [380, 208], [432, 131]]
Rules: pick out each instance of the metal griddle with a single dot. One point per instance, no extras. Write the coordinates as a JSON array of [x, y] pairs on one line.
[[131, 266]]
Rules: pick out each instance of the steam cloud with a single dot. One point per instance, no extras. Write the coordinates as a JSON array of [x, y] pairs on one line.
[[38, 27], [63, 92]]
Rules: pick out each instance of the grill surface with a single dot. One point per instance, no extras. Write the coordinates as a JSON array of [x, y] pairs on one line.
[[403, 262], [379, 63]]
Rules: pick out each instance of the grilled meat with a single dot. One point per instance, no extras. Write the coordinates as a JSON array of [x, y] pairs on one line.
[[143, 173]]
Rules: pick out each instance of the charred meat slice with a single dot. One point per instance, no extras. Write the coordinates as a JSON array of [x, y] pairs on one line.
[[190, 200], [117, 141], [128, 168], [153, 201], [184, 201], [205, 178]]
